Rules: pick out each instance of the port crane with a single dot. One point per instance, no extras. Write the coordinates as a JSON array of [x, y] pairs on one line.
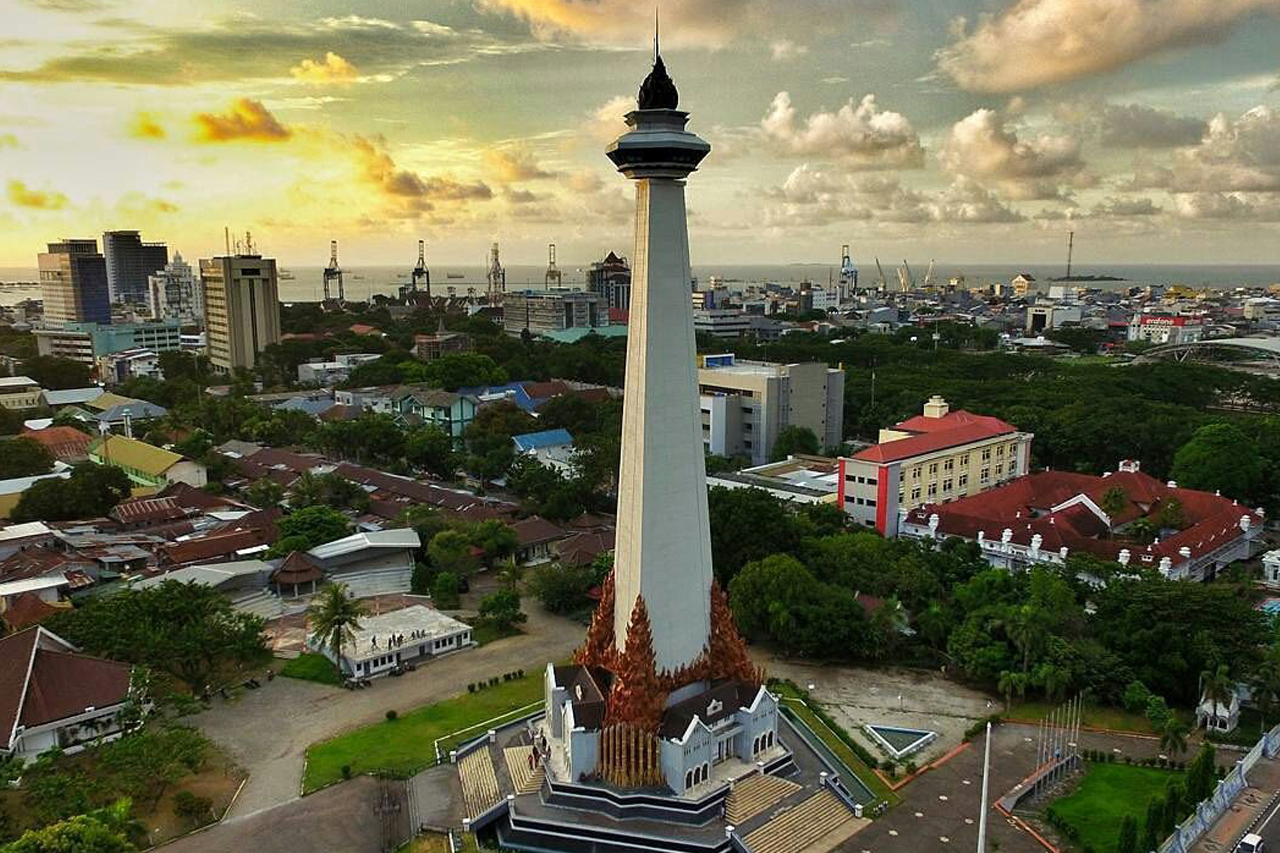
[[497, 277], [553, 273], [333, 273], [928, 276], [905, 282], [848, 273], [420, 272], [884, 285]]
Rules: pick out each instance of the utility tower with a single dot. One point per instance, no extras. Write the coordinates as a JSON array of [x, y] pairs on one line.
[[333, 273], [420, 272], [497, 277], [553, 273], [1071, 244]]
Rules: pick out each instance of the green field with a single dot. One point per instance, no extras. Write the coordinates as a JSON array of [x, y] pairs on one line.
[[1107, 793], [1094, 716], [312, 667], [404, 746]]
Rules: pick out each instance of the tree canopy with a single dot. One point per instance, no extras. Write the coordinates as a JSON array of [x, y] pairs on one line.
[[91, 491], [23, 457]]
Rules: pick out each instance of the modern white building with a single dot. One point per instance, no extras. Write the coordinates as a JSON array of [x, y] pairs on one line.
[[1271, 568], [19, 392], [326, 373], [722, 322], [390, 640], [1166, 328], [174, 294], [241, 307], [746, 404]]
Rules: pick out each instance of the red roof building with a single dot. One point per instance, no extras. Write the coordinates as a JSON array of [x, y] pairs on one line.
[[64, 443], [1047, 516], [934, 457], [52, 696]]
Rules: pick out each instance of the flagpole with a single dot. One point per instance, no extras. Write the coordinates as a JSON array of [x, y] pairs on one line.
[[986, 773]]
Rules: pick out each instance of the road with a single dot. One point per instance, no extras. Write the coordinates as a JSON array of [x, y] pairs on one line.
[[268, 730]]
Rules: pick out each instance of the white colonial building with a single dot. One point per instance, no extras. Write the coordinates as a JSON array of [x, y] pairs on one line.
[[389, 640]]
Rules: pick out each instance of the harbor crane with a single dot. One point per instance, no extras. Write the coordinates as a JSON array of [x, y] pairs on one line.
[[928, 276], [333, 273], [884, 285], [905, 282], [420, 272], [553, 273], [848, 273]]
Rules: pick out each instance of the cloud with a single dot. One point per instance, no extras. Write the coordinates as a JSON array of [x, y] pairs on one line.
[[515, 196], [513, 165], [1240, 155], [1257, 207], [23, 196], [605, 123], [861, 135], [145, 126], [1140, 126], [332, 69], [966, 201], [245, 119], [68, 5], [243, 49], [411, 193], [585, 181], [690, 23], [784, 50], [1125, 207], [1035, 43], [983, 147], [8, 140]]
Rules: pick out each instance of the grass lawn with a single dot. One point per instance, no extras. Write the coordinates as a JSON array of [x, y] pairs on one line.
[[1107, 793], [433, 843], [1096, 716], [484, 632], [836, 744], [312, 667], [404, 746]]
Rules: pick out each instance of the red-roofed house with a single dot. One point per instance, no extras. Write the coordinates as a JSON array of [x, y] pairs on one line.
[[935, 457], [1047, 516], [64, 443], [51, 696]]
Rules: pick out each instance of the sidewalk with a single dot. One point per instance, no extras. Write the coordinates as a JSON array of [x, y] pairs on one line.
[[1264, 781]]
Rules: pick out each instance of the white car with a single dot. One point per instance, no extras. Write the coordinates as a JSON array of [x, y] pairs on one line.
[[1251, 843]]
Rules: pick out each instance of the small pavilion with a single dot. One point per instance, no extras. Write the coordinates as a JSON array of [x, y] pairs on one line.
[[297, 572]]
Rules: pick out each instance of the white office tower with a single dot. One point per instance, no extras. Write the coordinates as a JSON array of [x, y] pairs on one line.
[[173, 293], [664, 546]]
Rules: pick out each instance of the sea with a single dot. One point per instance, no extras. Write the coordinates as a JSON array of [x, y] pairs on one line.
[[305, 283]]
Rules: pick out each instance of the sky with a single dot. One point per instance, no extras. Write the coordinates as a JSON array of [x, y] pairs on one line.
[[975, 131]]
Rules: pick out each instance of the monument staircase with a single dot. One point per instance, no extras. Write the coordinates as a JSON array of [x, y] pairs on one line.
[[479, 782], [817, 823], [262, 603], [755, 794], [375, 582]]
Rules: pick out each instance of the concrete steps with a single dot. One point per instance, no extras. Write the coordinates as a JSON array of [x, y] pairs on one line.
[[523, 779], [817, 823], [268, 605], [755, 794], [479, 782], [376, 582]]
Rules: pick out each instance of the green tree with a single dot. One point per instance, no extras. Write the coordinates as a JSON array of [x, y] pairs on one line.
[[264, 493], [452, 372], [1266, 682], [561, 588], [54, 373], [747, 525], [1114, 501], [1175, 805], [1219, 456], [198, 810], [1011, 682], [431, 448], [1217, 686], [23, 457], [334, 617], [1173, 735], [1172, 514], [308, 527], [1201, 774], [101, 831], [450, 551], [1128, 841], [1153, 825], [420, 580], [496, 541], [445, 591], [793, 440], [188, 631], [90, 491], [502, 609]]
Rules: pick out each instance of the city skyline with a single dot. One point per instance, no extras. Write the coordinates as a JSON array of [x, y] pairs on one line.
[[979, 133]]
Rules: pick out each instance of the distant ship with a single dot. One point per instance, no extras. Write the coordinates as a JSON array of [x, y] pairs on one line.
[[454, 275], [1089, 278], [285, 275]]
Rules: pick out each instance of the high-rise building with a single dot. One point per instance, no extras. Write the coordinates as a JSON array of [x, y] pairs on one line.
[[746, 404], [241, 309], [611, 278], [73, 283], [129, 262], [172, 293]]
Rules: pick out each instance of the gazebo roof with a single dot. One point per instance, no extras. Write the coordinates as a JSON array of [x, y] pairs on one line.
[[297, 568]]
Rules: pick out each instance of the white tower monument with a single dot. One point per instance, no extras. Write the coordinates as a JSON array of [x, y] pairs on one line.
[[663, 550]]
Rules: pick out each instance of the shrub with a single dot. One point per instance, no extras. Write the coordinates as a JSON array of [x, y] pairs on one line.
[[196, 809], [346, 771], [911, 767], [471, 688], [392, 715]]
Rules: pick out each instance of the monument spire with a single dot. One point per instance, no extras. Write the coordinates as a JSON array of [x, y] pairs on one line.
[[663, 555]]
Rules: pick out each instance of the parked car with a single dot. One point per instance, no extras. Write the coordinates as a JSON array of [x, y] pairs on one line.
[[1251, 843]]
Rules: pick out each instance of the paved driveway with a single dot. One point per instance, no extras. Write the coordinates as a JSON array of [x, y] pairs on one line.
[[268, 730]]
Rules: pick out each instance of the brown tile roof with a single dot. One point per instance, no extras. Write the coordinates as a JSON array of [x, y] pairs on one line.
[[43, 680], [64, 443], [152, 510], [296, 569], [581, 548], [26, 610], [213, 546], [534, 530]]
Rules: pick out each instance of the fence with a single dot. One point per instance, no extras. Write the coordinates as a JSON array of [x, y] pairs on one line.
[[1208, 811]]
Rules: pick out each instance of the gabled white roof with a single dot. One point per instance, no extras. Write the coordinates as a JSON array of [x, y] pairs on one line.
[[210, 574], [32, 585], [22, 531], [401, 538]]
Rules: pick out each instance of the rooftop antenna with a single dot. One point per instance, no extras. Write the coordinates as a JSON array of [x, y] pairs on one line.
[[226, 235], [248, 243], [1071, 242], [655, 33]]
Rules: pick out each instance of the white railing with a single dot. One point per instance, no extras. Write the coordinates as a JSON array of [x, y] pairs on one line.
[[1208, 811]]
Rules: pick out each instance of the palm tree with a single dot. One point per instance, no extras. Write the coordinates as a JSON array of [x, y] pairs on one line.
[[1173, 736], [1216, 687], [306, 491], [1266, 683], [1024, 628], [1011, 682], [334, 617]]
